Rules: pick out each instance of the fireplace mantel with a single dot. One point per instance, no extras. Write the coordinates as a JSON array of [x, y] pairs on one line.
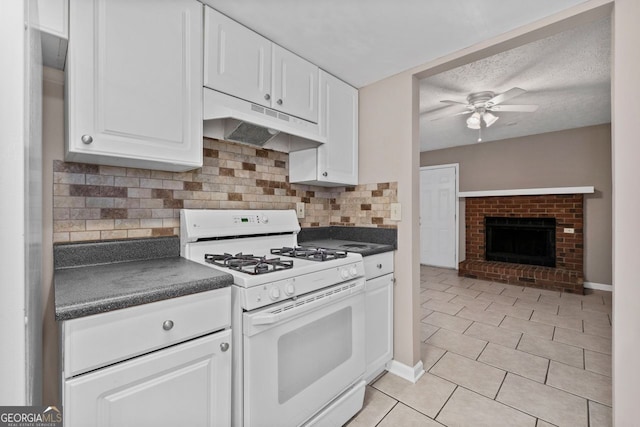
[[528, 191]]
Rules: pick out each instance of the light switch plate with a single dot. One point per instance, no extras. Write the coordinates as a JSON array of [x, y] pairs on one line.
[[300, 209], [569, 230], [396, 212]]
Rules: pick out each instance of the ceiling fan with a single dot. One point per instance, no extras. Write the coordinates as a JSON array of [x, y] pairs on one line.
[[481, 106]]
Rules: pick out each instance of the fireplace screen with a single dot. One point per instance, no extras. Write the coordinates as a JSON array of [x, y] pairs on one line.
[[521, 240]]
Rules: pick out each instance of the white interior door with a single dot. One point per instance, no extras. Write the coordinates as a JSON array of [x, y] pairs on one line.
[[438, 211]]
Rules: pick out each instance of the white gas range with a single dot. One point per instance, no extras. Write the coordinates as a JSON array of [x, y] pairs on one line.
[[297, 317]]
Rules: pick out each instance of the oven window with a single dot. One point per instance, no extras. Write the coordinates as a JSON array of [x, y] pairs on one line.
[[310, 352]]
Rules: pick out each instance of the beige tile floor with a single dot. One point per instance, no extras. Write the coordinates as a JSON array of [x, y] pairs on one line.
[[501, 355]]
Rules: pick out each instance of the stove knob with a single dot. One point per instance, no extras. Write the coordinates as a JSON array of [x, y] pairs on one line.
[[353, 271], [265, 219], [274, 294], [289, 289], [344, 273]]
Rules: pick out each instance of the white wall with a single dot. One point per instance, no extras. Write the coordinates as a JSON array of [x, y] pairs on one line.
[[626, 210]]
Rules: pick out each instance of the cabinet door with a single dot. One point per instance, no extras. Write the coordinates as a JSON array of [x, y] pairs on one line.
[[185, 385], [295, 85], [379, 324], [338, 157], [237, 61], [134, 83]]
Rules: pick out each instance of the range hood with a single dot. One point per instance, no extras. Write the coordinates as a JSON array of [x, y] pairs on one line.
[[233, 119]]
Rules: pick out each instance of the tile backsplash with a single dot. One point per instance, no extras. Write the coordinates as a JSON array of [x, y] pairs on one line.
[[92, 202]]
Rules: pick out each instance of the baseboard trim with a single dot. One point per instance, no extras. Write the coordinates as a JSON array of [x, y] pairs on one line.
[[411, 374], [598, 286]]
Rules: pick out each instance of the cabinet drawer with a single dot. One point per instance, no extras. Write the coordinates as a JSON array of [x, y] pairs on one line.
[[378, 264], [95, 341]]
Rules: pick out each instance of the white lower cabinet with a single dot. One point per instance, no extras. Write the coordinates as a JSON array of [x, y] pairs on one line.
[[162, 364], [379, 313], [185, 385]]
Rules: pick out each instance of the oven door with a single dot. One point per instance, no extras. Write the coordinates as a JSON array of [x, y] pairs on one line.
[[299, 355]]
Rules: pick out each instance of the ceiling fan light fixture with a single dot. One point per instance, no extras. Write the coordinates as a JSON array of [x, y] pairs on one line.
[[473, 122], [489, 118]]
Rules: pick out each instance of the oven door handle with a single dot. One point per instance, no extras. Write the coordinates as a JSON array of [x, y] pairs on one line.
[[266, 318], [304, 304]]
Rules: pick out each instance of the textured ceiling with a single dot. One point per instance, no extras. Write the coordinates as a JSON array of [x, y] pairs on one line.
[[567, 75], [363, 41]]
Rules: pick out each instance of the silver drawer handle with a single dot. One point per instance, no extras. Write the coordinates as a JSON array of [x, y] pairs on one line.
[[224, 346], [167, 325], [379, 265]]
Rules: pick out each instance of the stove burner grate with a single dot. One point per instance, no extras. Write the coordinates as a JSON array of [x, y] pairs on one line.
[[312, 254], [247, 263]]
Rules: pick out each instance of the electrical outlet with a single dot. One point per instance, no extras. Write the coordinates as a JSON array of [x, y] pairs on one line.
[[300, 209], [396, 212], [569, 230]]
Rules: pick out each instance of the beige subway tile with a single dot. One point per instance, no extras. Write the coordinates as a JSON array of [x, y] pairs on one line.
[[68, 225], [140, 213], [61, 213], [150, 203], [151, 223], [161, 174], [78, 236], [140, 232], [113, 234], [68, 202], [99, 224], [60, 237], [113, 170], [131, 182], [127, 223], [84, 213], [183, 194], [139, 193], [60, 189], [68, 178], [170, 222], [150, 183], [99, 179], [99, 202], [172, 185]]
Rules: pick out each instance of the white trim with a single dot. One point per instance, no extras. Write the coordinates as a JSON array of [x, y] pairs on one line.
[[598, 286], [406, 372], [456, 167], [528, 191]]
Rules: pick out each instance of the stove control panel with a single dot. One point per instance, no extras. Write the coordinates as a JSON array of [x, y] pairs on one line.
[[250, 219], [269, 293]]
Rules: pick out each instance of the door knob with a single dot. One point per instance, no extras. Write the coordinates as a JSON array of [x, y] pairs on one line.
[[86, 139], [279, 101], [267, 96], [224, 346]]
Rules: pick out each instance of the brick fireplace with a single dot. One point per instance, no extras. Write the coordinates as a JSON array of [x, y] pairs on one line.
[[567, 209]]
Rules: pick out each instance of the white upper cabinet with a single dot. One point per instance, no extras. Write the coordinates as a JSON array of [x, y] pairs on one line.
[[134, 84], [237, 60], [243, 64], [335, 162], [295, 85]]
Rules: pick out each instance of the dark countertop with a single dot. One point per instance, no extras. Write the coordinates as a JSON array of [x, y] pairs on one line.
[[132, 279], [362, 240]]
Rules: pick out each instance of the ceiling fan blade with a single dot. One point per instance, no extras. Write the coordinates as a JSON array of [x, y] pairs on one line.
[[448, 101], [514, 108], [441, 113], [511, 93]]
